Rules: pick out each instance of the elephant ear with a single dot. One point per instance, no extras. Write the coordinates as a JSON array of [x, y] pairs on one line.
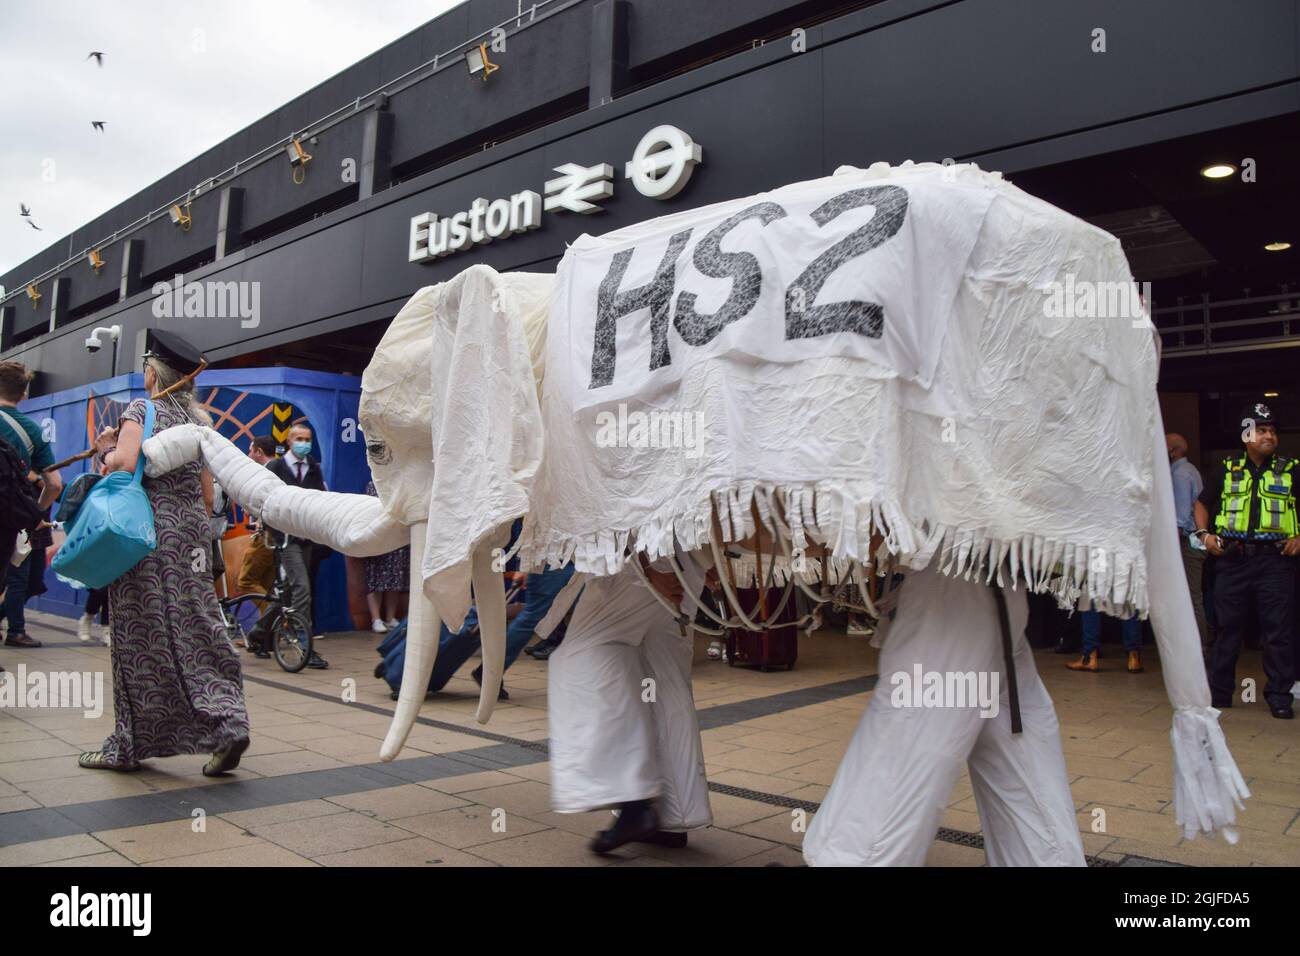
[[396, 407], [486, 421]]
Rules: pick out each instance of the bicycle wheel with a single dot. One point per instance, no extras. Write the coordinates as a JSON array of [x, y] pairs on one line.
[[291, 642]]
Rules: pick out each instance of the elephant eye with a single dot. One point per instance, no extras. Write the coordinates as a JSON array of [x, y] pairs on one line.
[[379, 453]]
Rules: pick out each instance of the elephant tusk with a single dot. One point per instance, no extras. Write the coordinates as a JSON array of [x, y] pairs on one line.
[[490, 599], [422, 629]]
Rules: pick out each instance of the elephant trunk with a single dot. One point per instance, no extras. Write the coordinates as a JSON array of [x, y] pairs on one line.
[[352, 524]]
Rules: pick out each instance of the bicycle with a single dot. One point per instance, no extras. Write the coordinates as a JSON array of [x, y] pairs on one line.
[[290, 629]]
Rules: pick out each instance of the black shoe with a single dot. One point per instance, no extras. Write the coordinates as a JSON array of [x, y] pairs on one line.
[[1282, 711], [380, 670], [261, 652], [670, 838], [318, 662], [21, 640], [478, 679], [1064, 646], [545, 649], [637, 823], [1221, 703]]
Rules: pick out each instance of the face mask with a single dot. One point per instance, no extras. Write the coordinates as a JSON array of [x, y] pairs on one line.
[[302, 448]]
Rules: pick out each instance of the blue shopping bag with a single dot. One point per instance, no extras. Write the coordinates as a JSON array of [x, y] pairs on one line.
[[113, 528]]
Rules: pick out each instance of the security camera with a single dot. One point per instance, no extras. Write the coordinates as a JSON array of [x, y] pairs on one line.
[[93, 344]]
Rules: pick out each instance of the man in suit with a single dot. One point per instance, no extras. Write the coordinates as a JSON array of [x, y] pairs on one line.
[[297, 467]]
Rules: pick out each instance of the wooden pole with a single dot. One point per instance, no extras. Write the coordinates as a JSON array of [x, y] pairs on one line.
[[203, 363]]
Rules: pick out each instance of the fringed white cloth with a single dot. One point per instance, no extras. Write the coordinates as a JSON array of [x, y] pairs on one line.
[[972, 423]]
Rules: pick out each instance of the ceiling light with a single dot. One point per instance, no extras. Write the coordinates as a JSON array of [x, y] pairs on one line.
[[180, 217], [1218, 171], [1278, 246], [476, 59], [1270, 394], [298, 160]]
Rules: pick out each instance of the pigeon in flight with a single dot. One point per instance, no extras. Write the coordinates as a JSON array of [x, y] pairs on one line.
[[34, 226], [98, 124], [23, 210], [98, 55]]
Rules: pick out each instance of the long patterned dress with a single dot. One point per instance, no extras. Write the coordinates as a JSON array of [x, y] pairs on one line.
[[177, 684], [391, 571]]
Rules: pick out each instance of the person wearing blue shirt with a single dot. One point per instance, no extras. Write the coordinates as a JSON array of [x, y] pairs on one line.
[[1187, 488]]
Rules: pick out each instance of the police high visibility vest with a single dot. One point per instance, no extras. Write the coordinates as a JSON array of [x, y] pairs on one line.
[[1276, 493]]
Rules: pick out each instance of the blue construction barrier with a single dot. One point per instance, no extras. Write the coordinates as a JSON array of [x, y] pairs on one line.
[[243, 403]]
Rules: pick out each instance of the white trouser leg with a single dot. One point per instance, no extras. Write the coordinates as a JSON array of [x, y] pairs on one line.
[[603, 746], [666, 657], [1021, 785], [888, 796], [889, 793]]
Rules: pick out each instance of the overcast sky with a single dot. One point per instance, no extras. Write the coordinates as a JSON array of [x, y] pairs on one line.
[[163, 100]]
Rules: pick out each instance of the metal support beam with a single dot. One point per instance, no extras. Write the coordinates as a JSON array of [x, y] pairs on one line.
[[376, 151], [132, 268], [60, 302], [8, 324], [609, 43], [230, 221]]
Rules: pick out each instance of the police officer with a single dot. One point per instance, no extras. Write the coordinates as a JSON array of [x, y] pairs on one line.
[[1254, 534]]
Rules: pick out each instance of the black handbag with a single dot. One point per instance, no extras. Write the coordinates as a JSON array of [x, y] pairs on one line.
[[74, 495]]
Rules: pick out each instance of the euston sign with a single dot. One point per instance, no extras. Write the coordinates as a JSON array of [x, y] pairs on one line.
[[660, 167]]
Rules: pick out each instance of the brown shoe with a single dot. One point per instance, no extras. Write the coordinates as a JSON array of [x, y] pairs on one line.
[[21, 640], [1088, 662], [1134, 662]]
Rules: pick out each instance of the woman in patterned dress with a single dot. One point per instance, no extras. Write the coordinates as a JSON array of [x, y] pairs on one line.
[[177, 684], [387, 577]]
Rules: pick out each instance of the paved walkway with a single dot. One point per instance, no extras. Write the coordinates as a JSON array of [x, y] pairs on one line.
[[312, 791]]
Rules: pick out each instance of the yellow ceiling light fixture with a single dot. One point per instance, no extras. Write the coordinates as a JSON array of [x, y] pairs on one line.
[[1277, 246], [1271, 394], [180, 217], [1218, 170], [298, 160], [96, 260], [476, 58], [34, 294]]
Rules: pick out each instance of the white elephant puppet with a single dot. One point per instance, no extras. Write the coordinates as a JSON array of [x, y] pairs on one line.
[[786, 387]]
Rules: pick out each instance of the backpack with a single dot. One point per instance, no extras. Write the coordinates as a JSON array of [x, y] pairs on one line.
[[19, 511]]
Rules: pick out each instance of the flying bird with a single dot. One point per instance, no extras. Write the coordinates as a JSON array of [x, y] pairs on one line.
[[98, 124], [23, 210], [98, 55], [34, 226]]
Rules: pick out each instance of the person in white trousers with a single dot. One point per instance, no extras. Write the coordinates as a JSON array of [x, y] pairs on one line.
[[887, 799], [624, 733]]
